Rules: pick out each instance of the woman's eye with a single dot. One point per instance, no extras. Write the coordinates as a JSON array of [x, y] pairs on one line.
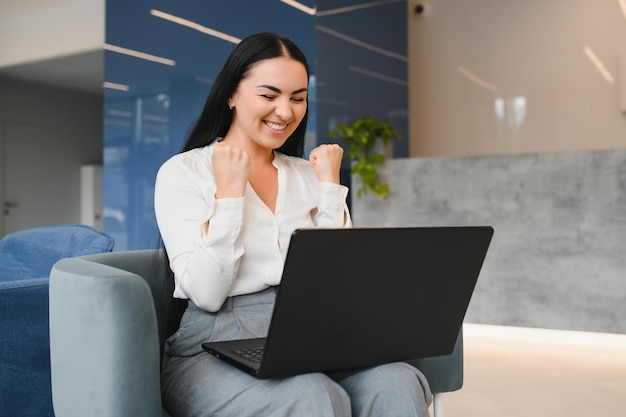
[[267, 96], [298, 99]]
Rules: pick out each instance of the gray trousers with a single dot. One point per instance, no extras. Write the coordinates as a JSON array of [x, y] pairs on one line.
[[196, 384]]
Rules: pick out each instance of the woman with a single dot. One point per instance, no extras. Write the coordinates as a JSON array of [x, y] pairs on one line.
[[226, 207]]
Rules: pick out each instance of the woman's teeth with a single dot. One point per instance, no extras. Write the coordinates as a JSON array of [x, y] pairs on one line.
[[275, 126]]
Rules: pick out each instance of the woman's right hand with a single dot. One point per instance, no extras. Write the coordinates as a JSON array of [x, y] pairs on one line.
[[231, 168]]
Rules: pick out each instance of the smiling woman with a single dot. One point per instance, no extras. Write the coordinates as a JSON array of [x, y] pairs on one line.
[[226, 207], [267, 106]]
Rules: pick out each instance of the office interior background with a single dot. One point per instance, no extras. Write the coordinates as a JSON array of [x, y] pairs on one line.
[[511, 113]]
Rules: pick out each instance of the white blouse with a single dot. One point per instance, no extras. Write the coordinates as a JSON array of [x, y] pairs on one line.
[[246, 244]]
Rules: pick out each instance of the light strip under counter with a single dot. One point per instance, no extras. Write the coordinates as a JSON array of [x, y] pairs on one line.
[[545, 337]]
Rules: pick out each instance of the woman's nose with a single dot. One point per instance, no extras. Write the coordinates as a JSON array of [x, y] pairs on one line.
[[283, 108]]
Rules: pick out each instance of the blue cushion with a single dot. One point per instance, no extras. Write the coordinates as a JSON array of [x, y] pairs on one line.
[[26, 259], [31, 253], [25, 349]]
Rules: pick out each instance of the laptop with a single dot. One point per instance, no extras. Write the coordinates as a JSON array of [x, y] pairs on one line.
[[354, 298]]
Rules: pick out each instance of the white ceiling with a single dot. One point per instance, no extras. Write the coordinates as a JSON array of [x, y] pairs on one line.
[[11, 7], [81, 72]]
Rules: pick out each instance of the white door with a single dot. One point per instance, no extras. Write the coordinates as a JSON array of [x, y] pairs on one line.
[[36, 181]]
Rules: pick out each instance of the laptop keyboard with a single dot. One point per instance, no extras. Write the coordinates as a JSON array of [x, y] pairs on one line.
[[253, 355]]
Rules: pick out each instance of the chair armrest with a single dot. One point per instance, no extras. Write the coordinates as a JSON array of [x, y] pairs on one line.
[[444, 373], [104, 347]]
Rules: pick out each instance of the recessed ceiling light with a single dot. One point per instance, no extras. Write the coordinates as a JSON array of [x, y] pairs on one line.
[[115, 86], [140, 55], [599, 65], [303, 8], [196, 26], [476, 79], [362, 44]]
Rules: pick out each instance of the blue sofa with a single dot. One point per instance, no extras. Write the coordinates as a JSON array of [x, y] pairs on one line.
[[26, 258]]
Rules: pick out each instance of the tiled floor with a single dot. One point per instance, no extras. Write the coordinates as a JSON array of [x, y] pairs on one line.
[[532, 372]]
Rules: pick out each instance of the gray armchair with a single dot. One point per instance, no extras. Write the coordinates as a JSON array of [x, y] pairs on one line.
[[108, 322]]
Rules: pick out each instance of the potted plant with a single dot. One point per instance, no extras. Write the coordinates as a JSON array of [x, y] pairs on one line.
[[367, 138]]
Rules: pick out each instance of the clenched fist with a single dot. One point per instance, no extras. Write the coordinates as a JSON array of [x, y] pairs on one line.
[[231, 168], [327, 162]]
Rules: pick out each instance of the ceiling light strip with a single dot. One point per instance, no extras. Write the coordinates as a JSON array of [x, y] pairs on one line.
[[334, 101], [599, 65], [361, 43], [140, 55], [379, 76], [306, 9], [622, 4], [120, 113], [114, 86], [358, 7], [204, 80], [477, 80], [195, 26]]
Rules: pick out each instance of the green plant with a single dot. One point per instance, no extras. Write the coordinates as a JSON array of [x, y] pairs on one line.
[[361, 136]]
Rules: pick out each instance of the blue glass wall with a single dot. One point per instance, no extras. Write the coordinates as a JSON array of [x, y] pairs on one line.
[[161, 58], [362, 64]]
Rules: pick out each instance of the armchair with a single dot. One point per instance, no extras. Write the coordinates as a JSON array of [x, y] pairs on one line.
[[108, 323], [26, 258]]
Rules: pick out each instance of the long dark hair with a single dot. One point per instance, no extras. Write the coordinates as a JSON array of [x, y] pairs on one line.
[[216, 118]]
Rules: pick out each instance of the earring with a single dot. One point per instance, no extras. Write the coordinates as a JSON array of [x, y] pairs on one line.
[[230, 107]]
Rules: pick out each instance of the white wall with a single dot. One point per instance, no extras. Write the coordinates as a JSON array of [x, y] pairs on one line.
[[37, 30], [78, 119], [471, 60]]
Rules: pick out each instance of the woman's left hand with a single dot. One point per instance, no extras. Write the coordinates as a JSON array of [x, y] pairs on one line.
[[327, 162]]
